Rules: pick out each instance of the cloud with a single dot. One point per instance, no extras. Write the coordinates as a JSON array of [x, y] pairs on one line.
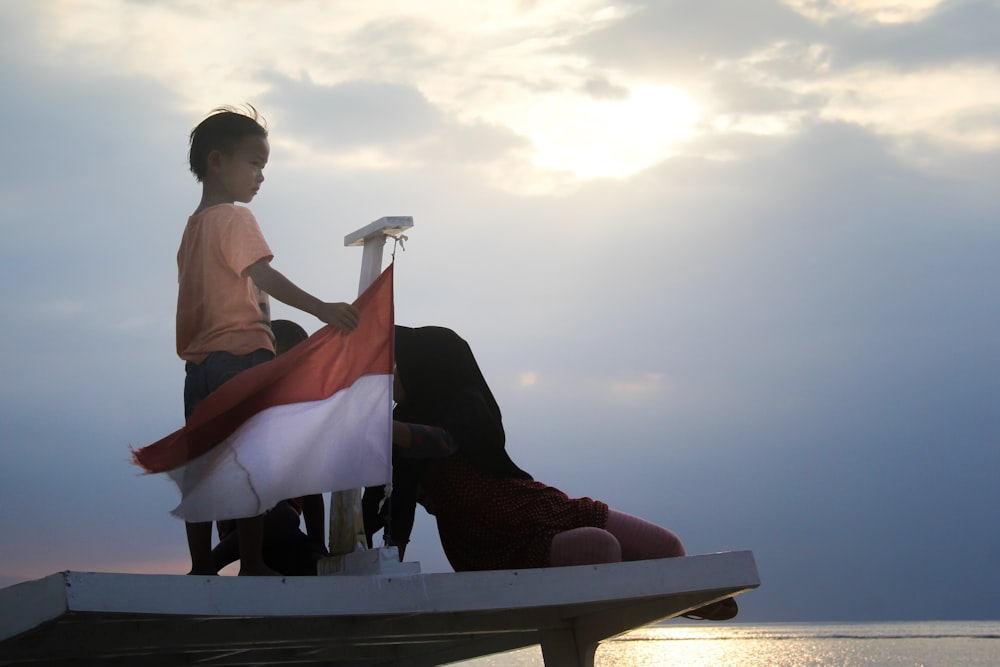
[[898, 104], [772, 80], [354, 113], [877, 11], [384, 125], [681, 40]]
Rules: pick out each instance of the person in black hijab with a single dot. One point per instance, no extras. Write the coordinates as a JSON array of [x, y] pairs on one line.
[[450, 455], [448, 401]]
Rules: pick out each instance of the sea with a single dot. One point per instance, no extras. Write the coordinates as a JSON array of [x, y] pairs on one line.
[[907, 644]]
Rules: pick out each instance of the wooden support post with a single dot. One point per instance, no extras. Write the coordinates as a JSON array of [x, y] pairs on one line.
[[347, 529], [563, 648]]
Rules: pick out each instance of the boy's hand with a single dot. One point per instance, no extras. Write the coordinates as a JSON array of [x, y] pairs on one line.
[[343, 316]]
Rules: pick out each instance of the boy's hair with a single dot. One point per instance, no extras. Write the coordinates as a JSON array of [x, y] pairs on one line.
[[287, 334], [222, 130]]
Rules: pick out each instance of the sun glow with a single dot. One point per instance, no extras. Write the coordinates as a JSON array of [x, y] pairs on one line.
[[594, 138], [528, 378]]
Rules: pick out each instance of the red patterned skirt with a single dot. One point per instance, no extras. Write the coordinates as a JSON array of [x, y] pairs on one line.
[[493, 523]]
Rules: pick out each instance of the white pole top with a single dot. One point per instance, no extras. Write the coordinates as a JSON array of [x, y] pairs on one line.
[[392, 224]]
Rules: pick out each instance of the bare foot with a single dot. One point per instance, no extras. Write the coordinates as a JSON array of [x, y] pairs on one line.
[[721, 610]]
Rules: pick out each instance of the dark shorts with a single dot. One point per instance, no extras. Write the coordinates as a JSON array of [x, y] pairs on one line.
[[204, 378]]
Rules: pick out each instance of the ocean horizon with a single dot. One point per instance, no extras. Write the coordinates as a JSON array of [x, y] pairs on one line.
[[887, 644]]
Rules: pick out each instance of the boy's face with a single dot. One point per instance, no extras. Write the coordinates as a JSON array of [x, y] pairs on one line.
[[241, 173]]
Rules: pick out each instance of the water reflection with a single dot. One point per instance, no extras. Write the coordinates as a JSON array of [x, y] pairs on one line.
[[689, 646], [913, 644]]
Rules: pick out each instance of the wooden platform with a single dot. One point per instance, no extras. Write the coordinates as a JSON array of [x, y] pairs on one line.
[[87, 618]]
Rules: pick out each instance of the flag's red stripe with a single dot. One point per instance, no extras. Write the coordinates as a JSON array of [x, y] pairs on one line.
[[326, 363]]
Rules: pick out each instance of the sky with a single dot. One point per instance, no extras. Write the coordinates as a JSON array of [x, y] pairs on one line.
[[727, 266]]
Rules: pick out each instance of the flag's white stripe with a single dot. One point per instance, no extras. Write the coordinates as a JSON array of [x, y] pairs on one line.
[[342, 442]]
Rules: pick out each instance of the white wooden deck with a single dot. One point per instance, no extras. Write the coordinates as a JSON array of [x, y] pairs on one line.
[[87, 618]]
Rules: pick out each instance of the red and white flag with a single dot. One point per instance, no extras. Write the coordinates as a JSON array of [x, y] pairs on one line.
[[316, 419]]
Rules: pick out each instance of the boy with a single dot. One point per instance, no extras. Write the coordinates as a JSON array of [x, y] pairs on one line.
[[224, 279], [285, 548]]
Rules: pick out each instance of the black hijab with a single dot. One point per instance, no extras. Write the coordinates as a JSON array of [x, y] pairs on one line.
[[445, 388]]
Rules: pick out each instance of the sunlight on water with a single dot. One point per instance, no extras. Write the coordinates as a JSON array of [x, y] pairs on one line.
[[925, 644], [698, 647]]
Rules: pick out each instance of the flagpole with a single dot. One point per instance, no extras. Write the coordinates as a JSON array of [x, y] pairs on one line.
[[347, 529]]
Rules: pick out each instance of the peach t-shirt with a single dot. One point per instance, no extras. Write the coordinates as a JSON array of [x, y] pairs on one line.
[[219, 309]]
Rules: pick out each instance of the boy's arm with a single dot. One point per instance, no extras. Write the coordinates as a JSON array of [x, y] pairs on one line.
[[344, 316]]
